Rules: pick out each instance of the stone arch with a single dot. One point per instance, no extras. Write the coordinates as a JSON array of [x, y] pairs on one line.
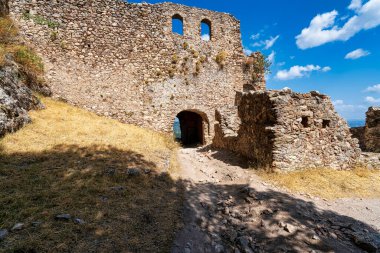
[[177, 24], [194, 126], [206, 29]]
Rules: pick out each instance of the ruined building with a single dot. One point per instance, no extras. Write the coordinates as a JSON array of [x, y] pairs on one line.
[[369, 135], [124, 61]]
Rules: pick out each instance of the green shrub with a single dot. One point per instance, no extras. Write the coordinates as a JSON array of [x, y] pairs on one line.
[[258, 64], [30, 61], [40, 20]]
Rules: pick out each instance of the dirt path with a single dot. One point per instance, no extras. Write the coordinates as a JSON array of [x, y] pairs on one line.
[[229, 209]]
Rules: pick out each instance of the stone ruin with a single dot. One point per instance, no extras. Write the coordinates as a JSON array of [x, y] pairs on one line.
[[124, 61], [369, 135], [287, 130]]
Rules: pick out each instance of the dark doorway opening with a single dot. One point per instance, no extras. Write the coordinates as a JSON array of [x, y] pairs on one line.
[[191, 128]]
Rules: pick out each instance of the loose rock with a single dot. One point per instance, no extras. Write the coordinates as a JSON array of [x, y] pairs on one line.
[[17, 227], [3, 234], [63, 217]]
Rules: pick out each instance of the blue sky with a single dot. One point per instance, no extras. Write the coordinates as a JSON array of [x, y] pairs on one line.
[[329, 46]]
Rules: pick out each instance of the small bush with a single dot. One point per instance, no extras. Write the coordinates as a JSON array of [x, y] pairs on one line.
[[8, 31], [259, 65], [198, 67], [40, 20], [31, 62], [175, 59], [53, 36], [221, 58], [3, 52], [171, 73]]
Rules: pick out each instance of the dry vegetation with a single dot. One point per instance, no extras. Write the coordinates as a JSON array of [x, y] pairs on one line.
[[72, 161], [329, 184], [30, 64]]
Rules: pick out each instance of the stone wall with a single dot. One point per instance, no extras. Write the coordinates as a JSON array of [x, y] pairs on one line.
[[359, 133], [287, 130], [123, 61], [372, 130]]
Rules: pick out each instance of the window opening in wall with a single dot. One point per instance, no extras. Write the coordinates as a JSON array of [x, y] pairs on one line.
[[177, 24], [206, 30], [305, 121], [326, 123]]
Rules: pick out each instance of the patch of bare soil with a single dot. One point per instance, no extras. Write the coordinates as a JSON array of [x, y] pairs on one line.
[[229, 209]]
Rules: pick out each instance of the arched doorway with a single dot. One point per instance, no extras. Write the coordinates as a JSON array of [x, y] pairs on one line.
[[190, 127]]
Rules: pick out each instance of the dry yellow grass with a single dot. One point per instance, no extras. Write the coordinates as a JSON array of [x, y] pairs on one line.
[[72, 161], [61, 123], [329, 184]]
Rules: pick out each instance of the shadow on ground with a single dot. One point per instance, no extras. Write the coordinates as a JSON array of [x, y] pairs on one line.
[[226, 156], [118, 201], [227, 218]]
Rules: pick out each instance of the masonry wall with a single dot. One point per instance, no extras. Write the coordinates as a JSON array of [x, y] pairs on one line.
[[288, 131], [122, 60], [372, 130], [359, 134]]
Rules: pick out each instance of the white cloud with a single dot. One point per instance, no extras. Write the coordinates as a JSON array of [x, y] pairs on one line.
[[257, 44], [355, 5], [323, 28], [356, 54], [340, 105], [271, 57], [349, 111], [247, 51], [266, 44], [270, 42], [375, 88], [280, 64], [299, 71], [255, 36], [206, 37], [338, 102], [326, 69], [372, 100]]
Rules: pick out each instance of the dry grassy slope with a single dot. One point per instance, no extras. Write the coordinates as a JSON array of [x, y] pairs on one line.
[[72, 161], [329, 184]]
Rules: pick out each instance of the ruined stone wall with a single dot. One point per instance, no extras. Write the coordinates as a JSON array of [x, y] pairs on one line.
[[359, 134], [122, 60], [372, 129], [287, 131]]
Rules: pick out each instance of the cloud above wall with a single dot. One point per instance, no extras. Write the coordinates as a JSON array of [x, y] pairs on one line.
[[266, 44], [372, 100], [299, 71], [324, 29], [356, 54], [255, 36], [374, 88], [247, 51], [271, 57]]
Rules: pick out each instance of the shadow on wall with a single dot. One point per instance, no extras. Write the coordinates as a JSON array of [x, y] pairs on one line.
[[120, 199]]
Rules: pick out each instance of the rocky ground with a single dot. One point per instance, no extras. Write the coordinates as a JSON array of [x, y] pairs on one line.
[[229, 209]]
